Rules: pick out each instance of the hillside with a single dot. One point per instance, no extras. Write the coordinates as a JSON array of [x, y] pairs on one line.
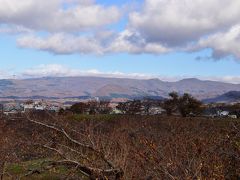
[[63, 87], [229, 97]]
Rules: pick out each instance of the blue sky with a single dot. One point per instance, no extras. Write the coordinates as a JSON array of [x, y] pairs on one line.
[[122, 42]]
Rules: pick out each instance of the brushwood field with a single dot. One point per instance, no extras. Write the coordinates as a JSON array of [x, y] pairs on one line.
[[48, 146]]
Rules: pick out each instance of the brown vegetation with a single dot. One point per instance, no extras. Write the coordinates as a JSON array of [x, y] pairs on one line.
[[186, 105], [123, 147], [91, 107]]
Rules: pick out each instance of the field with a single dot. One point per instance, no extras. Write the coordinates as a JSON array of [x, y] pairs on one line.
[[46, 146]]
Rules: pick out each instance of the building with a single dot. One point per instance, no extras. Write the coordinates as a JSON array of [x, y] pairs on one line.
[[223, 113], [28, 107], [12, 108], [156, 111], [1, 110]]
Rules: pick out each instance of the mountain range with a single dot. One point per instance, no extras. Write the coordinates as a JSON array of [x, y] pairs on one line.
[[80, 87]]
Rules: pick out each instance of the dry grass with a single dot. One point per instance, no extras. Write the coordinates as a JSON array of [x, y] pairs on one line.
[[144, 147]]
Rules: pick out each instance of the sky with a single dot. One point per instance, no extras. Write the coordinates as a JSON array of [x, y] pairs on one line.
[[165, 39]]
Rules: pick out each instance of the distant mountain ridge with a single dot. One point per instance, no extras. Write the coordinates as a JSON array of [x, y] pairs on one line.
[[229, 97], [64, 87]]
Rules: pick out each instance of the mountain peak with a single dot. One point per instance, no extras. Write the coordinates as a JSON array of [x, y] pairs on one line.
[[189, 80], [154, 80]]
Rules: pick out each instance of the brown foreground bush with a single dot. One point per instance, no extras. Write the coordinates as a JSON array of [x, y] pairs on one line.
[[123, 147]]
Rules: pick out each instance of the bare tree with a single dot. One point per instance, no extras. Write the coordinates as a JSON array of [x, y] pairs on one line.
[[185, 105], [189, 105], [127, 147], [130, 107], [79, 108], [77, 154], [171, 105]]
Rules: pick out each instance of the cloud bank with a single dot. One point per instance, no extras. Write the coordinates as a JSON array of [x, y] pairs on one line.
[[58, 70], [159, 26], [57, 15]]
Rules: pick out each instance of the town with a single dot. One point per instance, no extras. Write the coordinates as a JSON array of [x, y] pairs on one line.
[[10, 108], [176, 105]]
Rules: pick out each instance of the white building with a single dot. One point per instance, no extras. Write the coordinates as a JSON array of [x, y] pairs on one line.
[[27, 107], [223, 113], [156, 110]]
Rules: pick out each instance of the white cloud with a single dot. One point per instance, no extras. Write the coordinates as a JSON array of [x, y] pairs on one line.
[[15, 30], [100, 43], [223, 43], [175, 23], [227, 79], [159, 26], [49, 70], [57, 70], [132, 42], [7, 74], [62, 44], [57, 15]]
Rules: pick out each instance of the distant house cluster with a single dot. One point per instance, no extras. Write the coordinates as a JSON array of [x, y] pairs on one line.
[[139, 107], [176, 105], [154, 110], [216, 110], [221, 113], [22, 107]]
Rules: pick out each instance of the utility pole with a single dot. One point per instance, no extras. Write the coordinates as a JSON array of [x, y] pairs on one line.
[[1, 110]]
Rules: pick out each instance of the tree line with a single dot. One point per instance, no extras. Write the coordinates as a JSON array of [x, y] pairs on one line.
[[184, 105]]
